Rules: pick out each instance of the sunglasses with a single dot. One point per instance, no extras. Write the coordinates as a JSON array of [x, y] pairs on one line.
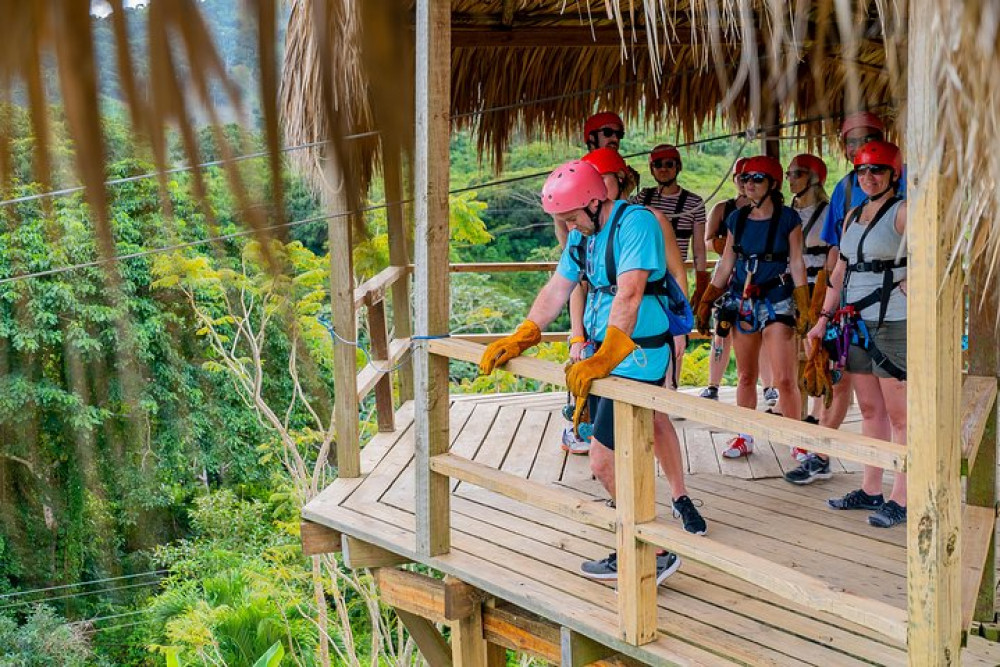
[[753, 178], [873, 169], [609, 132], [796, 173], [858, 142], [660, 164]]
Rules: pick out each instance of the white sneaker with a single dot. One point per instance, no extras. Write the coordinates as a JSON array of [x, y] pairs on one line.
[[573, 444], [738, 446]]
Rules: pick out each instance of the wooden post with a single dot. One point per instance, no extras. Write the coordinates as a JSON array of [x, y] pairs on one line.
[[379, 333], [984, 360], [432, 645], [636, 503], [468, 643], [933, 373], [345, 363], [399, 255], [433, 72]]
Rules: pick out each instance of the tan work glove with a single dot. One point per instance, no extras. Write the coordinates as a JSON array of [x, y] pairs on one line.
[[818, 295], [500, 352], [804, 320], [701, 281], [616, 346], [703, 309]]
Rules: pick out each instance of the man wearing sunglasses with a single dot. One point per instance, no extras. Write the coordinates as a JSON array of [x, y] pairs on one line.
[[603, 130], [686, 212]]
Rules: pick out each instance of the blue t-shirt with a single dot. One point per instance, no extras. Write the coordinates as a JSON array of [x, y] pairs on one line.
[[833, 224], [754, 242], [638, 245]]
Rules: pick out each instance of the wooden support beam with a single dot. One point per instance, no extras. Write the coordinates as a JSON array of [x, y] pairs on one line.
[[399, 256], [378, 330], [431, 643], [442, 601], [359, 554], [345, 364], [469, 647], [984, 361], [369, 376], [579, 650], [318, 539], [635, 474], [496, 655], [934, 330], [763, 426], [461, 600], [373, 290], [433, 71], [979, 394]]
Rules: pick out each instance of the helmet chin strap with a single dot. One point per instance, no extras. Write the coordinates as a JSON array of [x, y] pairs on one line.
[[758, 204], [883, 193], [595, 217]]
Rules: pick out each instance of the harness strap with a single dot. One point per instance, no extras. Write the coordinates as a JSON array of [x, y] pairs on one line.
[[882, 294], [865, 342], [820, 209], [769, 255], [878, 265]]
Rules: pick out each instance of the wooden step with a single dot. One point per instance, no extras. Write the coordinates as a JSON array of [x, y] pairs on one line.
[[978, 524], [978, 396]]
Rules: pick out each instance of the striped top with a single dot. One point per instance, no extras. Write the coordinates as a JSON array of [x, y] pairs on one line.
[[683, 221]]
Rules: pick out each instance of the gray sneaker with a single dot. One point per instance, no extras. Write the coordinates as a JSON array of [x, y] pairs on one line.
[[856, 500], [771, 396], [812, 468], [710, 392], [889, 515], [606, 569]]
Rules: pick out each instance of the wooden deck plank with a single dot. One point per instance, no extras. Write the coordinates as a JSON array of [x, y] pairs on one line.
[[498, 439], [701, 454], [526, 443], [550, 460], [732, 467], [764, 461]]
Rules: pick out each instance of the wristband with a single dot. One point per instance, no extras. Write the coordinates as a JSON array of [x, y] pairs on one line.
[[828, 314], [577, 339]]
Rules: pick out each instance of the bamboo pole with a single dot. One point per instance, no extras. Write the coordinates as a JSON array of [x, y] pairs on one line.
[[933, 372], [433, 74], [984, 360]]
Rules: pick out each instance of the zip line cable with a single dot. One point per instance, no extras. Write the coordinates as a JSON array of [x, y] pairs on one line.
[[22, 603], [81, 583], [375, 207]]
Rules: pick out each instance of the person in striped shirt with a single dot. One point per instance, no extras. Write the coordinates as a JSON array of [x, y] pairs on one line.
[[686, 212]]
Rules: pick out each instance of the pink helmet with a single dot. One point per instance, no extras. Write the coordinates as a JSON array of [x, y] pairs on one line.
[[881, 153], [605, 161], [810, 163], [861, 119], [571, 186]]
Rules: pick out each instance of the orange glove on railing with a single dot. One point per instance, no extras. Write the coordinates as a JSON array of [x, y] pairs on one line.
[[500, 352], [719, 244], [703, 309], [818, 295], [701, 281], [616, 346], [804, 320]]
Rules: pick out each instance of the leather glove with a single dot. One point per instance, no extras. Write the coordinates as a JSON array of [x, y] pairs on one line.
[[719, 245], [818, 295], [501, 351], [703, 308], [616, 346], [816, 378], [581, 414], [701, 281], [804, 320]]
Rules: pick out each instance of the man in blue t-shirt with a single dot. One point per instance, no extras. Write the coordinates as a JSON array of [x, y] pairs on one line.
[[629, 328]]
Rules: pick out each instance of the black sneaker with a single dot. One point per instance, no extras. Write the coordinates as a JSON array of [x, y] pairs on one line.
[[889, 515], [856, 500], [810, 420], [812, 468], [666, 565], [710, 392], [689, 515]]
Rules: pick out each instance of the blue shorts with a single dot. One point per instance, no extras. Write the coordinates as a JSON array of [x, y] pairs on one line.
[[766, 314], [602, 415]]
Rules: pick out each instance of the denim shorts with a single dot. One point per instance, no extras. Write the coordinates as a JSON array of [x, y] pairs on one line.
[[779, 312]]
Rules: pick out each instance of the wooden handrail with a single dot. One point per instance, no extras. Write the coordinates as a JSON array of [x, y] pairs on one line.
[[369, 376], [373, 289], [851, 446]]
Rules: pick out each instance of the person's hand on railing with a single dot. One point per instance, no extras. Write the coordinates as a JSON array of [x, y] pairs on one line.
[[501, 351], [579, 376]]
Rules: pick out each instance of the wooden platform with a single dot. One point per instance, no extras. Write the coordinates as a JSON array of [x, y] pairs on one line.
[[530, 557]]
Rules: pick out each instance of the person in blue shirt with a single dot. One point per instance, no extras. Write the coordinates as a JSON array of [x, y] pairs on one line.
[[761, 279], [627, 323]]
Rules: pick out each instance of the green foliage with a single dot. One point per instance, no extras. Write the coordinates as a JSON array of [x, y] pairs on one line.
[[44, 639]]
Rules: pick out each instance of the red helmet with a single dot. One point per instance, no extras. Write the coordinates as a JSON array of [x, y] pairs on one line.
[[738, 167], [666, 152], [764, 164], [606, 161], [572, 186], [883, 153], [810, 163], [861, 119], [599, 120]]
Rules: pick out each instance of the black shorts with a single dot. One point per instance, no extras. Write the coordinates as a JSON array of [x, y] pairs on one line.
[[602, 415]]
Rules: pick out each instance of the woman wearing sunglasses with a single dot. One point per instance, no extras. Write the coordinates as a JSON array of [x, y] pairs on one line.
[[763, 277], [866, 304], [806, 177]]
